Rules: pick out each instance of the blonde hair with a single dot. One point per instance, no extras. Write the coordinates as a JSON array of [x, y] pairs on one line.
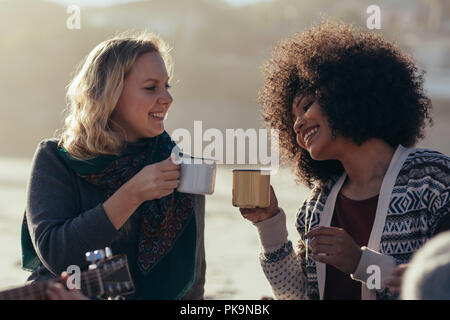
[[94, 91]]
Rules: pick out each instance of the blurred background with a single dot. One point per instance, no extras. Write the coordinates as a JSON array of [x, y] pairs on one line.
[[219, 47]]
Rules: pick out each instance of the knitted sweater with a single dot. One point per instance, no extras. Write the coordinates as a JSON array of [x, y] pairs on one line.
[[409, 212], [66, 219]]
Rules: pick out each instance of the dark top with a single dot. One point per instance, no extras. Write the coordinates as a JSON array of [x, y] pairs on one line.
[[355, 217], [66, 219]]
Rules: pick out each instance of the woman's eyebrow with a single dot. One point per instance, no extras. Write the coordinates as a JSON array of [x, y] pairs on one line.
[[307, 99], [154, 80], [300, 99], [151, 79]]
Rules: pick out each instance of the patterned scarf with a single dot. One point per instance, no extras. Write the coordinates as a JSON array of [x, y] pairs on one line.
[[163, 221]]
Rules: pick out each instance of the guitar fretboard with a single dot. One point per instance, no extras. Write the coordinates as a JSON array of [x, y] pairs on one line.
[[90, 283], [35, 291]]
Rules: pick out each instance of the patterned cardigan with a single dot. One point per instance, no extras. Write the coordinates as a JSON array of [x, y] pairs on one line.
[[418, 200]]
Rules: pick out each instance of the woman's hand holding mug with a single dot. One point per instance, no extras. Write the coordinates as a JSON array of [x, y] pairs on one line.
[[152, 182], [156, 180]]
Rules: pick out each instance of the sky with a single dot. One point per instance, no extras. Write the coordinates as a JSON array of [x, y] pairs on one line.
[[102, 3]]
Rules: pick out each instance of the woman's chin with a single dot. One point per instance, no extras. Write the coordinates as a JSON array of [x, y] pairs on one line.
[[154, 133], [316, 152]]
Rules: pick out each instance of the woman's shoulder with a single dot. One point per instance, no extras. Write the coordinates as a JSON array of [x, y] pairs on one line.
[[46, 155], [49, 145], [427, 161], [425, 167], [430, 156]]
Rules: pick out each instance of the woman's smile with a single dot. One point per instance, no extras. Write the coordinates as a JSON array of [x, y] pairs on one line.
[[158, 116], [309, 134], [312, 130]]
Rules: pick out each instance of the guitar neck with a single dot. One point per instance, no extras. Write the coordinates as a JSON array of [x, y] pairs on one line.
[[90, 282], [35, 291]]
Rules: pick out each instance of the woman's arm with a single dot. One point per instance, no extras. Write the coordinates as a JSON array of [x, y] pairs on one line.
[[152, 182], [281, 265], [61, 234]]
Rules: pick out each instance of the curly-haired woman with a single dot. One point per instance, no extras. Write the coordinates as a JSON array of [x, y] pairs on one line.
[[349, 108], [108, 180]]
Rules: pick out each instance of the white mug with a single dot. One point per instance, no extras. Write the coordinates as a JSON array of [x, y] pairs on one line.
[[197, 175]]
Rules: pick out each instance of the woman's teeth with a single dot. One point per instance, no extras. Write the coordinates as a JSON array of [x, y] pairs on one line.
[[310, 134], [158, 115]]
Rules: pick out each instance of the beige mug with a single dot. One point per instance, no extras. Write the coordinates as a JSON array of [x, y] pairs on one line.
[[251, 188]]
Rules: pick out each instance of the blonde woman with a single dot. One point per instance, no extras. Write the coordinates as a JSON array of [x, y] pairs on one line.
[[108, 180]]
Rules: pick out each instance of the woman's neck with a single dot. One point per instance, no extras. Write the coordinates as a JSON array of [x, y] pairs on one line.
[[366, 166]]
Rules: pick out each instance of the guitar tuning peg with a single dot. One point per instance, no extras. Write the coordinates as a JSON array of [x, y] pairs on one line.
[[94, 256], [108, 252], [99, 255], [90, 257]]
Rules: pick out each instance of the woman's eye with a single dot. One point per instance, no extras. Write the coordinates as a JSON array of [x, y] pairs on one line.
[[305, 108], [154, 87]]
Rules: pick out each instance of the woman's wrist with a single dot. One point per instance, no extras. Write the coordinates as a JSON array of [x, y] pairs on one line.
[[272, 231], [130, 192], [121, 205]]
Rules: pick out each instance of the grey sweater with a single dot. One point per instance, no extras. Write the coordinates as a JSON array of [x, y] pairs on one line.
[[66, 219]]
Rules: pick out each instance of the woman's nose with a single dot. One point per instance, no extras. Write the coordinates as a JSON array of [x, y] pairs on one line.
[[166, 98], [298, 124]]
